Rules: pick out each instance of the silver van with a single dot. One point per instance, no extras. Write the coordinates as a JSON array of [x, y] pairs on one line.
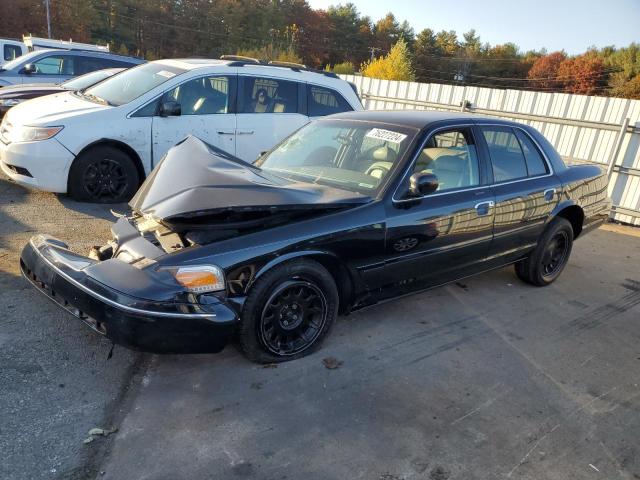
[[55, 66]]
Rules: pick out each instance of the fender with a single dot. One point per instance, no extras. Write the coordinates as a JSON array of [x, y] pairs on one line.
[[137, 160]]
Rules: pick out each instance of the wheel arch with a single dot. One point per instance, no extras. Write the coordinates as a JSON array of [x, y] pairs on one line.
[[137, 161], [336, 268], [573, 213]]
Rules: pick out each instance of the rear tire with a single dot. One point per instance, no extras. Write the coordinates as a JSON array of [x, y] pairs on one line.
[[103, 174], [548, 259], [288, 313]]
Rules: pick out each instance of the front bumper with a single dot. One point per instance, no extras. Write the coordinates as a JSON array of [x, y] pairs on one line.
[[47, 162], [153, 326]]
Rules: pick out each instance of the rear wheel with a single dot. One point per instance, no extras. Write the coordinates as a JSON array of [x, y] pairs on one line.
[[549, 258], [288, 312], [103, 174]]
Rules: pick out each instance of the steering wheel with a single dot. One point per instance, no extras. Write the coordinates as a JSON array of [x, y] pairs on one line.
[[378, 167]]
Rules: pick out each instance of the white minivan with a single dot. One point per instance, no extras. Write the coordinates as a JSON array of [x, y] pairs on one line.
[[99, 144]]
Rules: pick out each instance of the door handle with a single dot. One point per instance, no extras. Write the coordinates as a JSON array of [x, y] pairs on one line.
[[484, 208], [223, 132], [549, 194], [244, 132]]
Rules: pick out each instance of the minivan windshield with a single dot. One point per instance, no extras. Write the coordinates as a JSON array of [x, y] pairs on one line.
[[350, 155], [131, 84]]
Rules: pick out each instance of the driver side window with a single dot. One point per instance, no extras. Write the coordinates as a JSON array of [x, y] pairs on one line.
[[452, 157]]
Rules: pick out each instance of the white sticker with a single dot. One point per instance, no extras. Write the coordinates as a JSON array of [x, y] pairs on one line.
[[166, 74], [386, 135]]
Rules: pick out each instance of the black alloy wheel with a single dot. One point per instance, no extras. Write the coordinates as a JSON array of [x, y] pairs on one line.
[[104, 178], [103, 174], [546, 262], [288, 312], [293, 318]]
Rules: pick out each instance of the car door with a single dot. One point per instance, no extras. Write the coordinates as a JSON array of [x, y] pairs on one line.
[[269, 109], [55, 68], [207, 111], [525, 188], [444, 235]]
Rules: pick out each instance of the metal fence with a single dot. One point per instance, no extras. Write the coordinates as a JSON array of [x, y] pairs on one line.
[[601, 130]]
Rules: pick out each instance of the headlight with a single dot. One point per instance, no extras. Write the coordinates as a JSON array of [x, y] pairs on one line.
[[30, 134], [200, 279], [10, 102]]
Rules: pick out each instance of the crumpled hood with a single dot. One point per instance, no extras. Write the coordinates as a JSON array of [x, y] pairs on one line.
[[51, 108], [196, 179]]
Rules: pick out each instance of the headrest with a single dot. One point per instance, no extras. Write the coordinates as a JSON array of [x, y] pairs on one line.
[[384, 154]]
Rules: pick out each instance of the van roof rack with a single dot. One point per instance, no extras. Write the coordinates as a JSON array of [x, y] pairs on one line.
[[239, 61]]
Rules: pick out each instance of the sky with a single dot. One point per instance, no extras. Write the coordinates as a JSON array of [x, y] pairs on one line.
[[569, 25]]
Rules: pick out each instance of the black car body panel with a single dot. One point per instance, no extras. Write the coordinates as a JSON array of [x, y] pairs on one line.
[[26, 92], [224, 212]]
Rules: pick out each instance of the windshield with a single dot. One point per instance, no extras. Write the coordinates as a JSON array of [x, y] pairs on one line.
[[132, 83], [20, 60], [85, 81], [353, 156]]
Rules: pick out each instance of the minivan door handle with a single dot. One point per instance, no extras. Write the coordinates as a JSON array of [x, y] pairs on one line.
[[224, 132], [549, 194], [245, 132], [484, 208]]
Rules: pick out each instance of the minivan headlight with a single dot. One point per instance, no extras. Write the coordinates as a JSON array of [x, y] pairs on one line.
[[31, 134], [199, 279]]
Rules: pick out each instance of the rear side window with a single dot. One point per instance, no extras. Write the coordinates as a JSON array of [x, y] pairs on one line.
[[507, 158], [268, 95], [323, 101], [10, 52], [89, 64], [535, 164]]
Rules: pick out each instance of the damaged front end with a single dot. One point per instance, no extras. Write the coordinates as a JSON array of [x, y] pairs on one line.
[[132, 290]]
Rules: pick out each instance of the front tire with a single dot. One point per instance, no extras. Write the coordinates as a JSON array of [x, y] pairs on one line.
[[288, 312], [548, 259], [103, 174]]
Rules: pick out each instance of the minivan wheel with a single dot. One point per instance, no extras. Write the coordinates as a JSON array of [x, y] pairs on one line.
[[548, 259], [288, 312], [103, 174]]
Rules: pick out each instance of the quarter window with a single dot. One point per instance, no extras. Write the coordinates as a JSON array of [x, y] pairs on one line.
[[535, 164], [507, 158], [323, 101], [202, 96], [451, 156], [55, 65], [269, 95]]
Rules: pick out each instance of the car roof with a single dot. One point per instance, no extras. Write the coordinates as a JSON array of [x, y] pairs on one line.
[[77, 51], [415, 118]]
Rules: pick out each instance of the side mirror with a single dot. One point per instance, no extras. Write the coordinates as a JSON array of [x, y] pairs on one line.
[[422, 183], [29, 69], [170, 109]]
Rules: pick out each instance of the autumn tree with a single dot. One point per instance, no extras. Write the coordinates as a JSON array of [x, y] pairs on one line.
[[396, 65], [544, 71], [583, 74]]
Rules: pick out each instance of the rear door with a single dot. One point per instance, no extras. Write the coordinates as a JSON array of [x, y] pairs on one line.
[[207, 112], [269, 109], [526, 191]]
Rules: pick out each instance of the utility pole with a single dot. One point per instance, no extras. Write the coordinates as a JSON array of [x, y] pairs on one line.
[[373, 52], [46, 5]]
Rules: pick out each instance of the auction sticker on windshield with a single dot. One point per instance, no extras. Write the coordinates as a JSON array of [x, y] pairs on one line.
[[166, 74], [386, 135]]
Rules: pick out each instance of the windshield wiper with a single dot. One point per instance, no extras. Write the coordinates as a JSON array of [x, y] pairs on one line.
[[95, 98]]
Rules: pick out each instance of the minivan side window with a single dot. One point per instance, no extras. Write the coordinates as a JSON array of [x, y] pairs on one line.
[[91, 64], [10, 52], [268, 95], [202, 96], [506, 155], [55, 65], [323, 101]]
